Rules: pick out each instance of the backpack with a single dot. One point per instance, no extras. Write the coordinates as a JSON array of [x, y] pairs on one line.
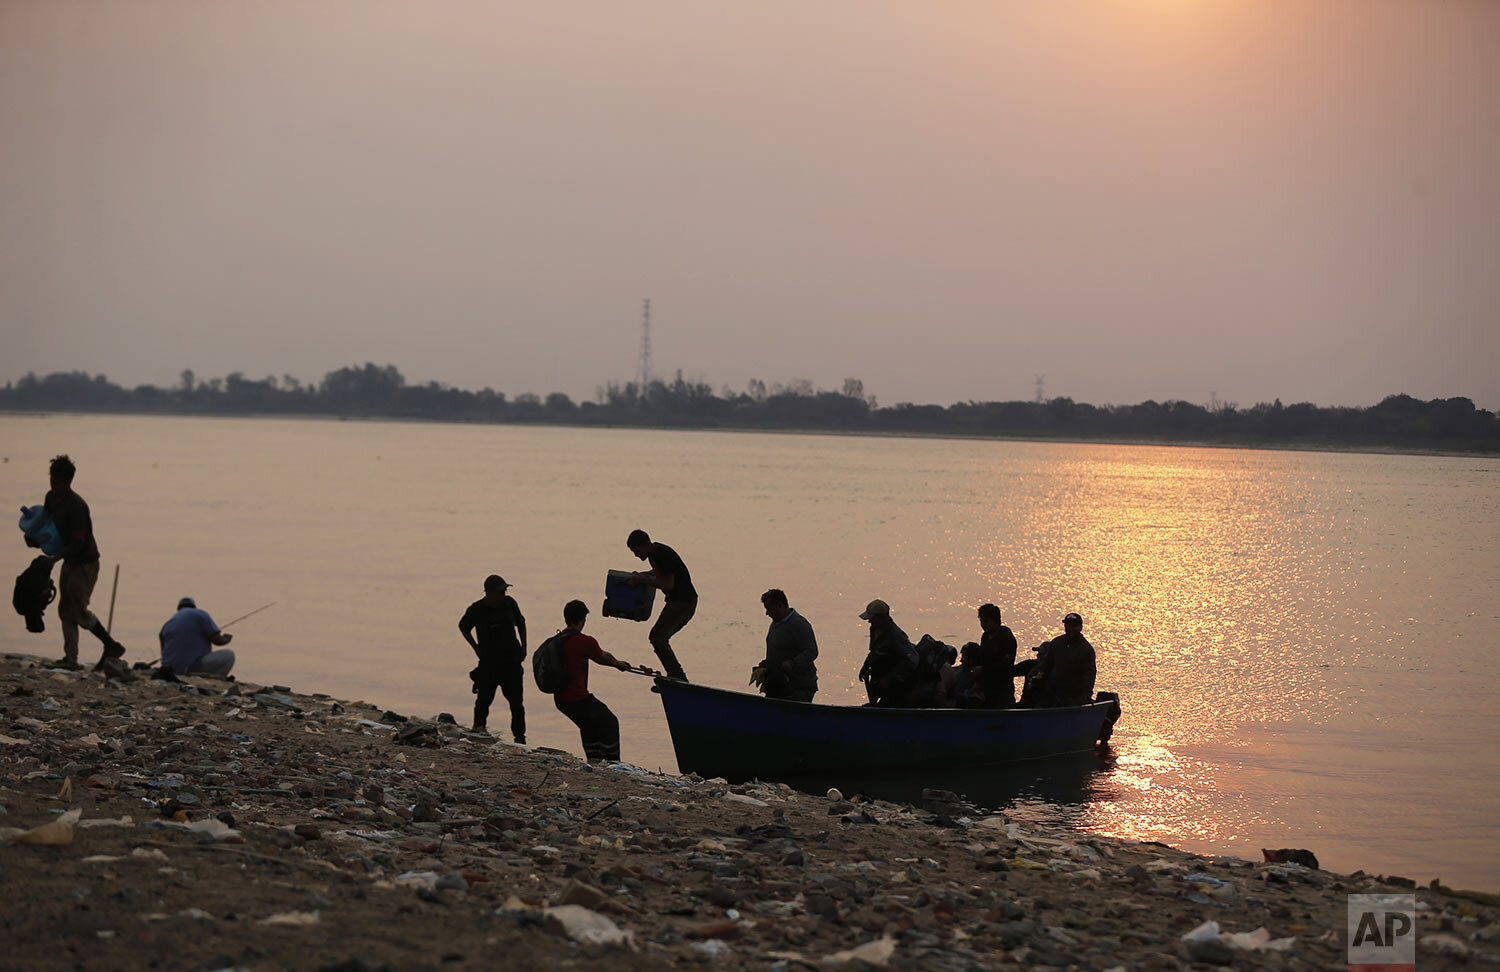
[[34, 591], [932, 655], [549, 664]]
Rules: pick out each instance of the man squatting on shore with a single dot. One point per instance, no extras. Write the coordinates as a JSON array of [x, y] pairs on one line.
[[80, 569], [501, 647], [187, 643], [670, 575], [598, 728], [788, 670]]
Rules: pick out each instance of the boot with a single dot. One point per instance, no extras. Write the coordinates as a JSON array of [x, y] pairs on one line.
[[112, 648], [670, 664]]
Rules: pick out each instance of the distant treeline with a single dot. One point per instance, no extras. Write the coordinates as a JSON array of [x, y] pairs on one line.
[[1398, 422]]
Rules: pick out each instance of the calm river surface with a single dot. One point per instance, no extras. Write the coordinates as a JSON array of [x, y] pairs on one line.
[[1305, 643]]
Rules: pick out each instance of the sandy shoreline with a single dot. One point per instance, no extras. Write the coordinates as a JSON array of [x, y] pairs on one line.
[[270, 829]]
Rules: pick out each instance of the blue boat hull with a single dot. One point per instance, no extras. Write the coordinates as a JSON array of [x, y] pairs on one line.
[[739, 736]]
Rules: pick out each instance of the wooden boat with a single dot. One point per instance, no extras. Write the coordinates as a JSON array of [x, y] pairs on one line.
[[740, 736]]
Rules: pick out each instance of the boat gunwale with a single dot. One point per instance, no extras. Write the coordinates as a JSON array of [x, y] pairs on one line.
[[678, 685]]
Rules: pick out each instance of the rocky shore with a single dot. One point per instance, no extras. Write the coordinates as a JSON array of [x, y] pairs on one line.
[[206, 824]]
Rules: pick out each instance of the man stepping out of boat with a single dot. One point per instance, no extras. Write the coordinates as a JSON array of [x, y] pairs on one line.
[[670, 575]]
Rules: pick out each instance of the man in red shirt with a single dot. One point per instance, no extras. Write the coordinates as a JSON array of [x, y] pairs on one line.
[[597, 726]]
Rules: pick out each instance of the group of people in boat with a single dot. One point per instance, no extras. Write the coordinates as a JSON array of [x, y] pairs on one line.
[[896, 672], [929, 673]]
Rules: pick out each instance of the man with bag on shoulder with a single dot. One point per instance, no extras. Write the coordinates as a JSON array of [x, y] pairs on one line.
[[598, 727]]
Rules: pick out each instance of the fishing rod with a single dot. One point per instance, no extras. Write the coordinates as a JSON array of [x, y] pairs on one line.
[[244, 616]]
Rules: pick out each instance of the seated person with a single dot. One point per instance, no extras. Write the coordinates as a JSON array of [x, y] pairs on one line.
[[963, 683], [1064, 671], [187, 642], [934, 665], [891, 666]]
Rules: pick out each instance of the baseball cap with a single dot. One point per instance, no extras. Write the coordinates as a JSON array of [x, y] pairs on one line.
[[876, 606], [493, 581], [1071, 616], [185, 602]]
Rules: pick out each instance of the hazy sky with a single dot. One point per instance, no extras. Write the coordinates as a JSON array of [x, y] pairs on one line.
[[1137, 199]]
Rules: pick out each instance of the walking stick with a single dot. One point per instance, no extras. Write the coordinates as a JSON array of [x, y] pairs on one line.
[[115, 587]]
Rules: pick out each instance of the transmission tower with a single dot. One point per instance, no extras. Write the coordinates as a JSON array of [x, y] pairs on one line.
[[643, 365], [1040, 389]]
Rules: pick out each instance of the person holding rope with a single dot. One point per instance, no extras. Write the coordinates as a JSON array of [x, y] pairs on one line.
[[188, 642], [598, 727]]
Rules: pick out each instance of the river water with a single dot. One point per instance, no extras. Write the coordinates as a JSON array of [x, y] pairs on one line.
[[1305, 643]]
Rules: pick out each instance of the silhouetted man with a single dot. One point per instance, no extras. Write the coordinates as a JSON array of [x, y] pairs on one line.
[[1064, 671], [669, 575], [890, 669], [188, 641], [789, 667], [996, 660], [501, 647], [80, 568], [598, 728]]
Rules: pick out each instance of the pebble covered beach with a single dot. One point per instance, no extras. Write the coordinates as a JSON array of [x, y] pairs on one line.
[[210, 824]]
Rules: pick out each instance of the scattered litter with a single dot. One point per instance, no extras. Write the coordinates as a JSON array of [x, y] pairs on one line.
[[747, 800], [878, 952], [1163, 866], [418, 879], [124, 821], [54, 833], [1259, 940], [215, 828], [296, 919], [588, 927]]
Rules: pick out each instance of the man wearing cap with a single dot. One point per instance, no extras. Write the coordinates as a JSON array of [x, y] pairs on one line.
[[891, 666], [500, 647], [187, 643], [1064, 671]]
